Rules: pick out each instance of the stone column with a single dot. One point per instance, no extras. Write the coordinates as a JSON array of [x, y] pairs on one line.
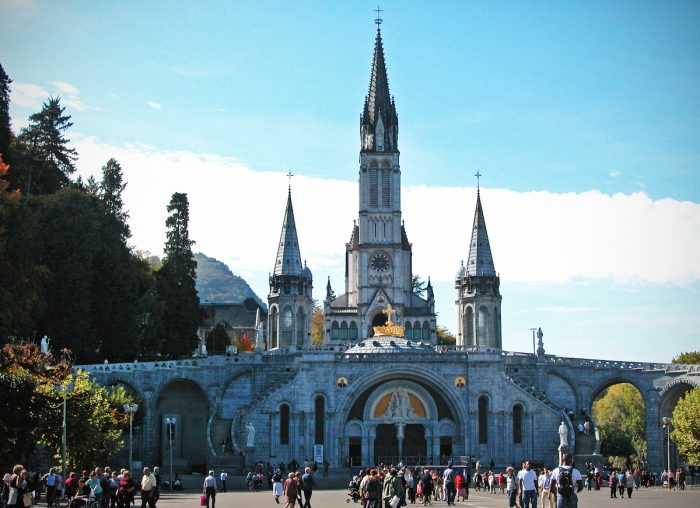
[[274, 419], [372, 437], [656, 436]]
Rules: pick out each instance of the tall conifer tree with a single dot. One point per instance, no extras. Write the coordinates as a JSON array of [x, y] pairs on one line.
[[175, 283], [5, 129]]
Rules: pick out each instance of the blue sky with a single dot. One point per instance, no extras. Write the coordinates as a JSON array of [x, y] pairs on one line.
[[567, 108]]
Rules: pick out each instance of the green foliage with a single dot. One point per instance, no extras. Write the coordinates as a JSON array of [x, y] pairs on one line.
[[620, 415], [417, 285], [47, 161], [175, 285], [444, 336], [691, 357], [5, 129], [686, 426], [217, 340]]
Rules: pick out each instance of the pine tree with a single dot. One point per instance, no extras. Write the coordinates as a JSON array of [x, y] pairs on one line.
[[5, 129], [47, 160], [175, 283], [110, 193]]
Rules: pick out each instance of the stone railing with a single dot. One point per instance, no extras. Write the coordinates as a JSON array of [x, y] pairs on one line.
[[208, 361]]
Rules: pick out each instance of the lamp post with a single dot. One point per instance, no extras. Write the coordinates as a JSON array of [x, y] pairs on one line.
[[131, 409], [667, 426], [64, 389], [534, 349], [170, 422]]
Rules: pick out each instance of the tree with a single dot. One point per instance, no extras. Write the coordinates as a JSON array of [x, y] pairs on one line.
[[317, 323], [244, 344], [110, 193], [417, 285], [5, 128], [686, 426], [217, 339], [444, 336], [691, 357], [47, 162], [175, 283], [619, 413]]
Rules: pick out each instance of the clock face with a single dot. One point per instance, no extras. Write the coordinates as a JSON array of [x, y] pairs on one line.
[[380, 262]]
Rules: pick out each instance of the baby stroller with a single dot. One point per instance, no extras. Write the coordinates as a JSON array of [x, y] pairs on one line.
[[353, 492]]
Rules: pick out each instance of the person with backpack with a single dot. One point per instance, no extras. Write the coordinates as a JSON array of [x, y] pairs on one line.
[[308, 484], [371, 490], [567, 482], [50, 480]]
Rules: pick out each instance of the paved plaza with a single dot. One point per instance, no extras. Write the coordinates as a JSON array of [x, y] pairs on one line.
[[643, 498]]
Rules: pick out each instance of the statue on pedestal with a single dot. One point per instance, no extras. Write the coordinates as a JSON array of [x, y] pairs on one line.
[[250, 440], [563, 435]]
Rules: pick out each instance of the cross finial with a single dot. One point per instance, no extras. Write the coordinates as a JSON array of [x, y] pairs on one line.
[[389, 311], [290, 175], [478, 176], [378, 20]]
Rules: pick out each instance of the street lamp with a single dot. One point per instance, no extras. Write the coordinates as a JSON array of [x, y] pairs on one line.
[[667, 426], [64, 389], [170, 422], [131, 409]]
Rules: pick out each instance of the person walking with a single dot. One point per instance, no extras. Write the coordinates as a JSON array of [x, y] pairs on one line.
[[308, 484], [392, 488], [528, 485], [50, 480], [566, 481], [125, 491], [629, 483], [277, 487], [209, 489], [511, 487], [426, 485], [448, 476], [223, 477], [148, 489], [290, 491]]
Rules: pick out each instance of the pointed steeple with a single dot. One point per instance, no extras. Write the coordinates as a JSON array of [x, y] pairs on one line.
[[288, 260], [379, 124], [480, 261]]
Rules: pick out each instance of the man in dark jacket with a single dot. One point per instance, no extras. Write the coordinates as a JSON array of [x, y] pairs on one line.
[[308, 484]]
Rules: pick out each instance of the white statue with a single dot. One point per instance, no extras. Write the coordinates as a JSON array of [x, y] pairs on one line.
[[400, 405], [259, 337], [45, 344], [563, 435], [250, 442]]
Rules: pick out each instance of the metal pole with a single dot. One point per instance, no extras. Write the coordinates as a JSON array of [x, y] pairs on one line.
[[668, 448], [131, 441], [64, 439], [170, 438]]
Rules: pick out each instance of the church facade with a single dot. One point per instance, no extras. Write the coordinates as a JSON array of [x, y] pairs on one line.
[[366, 397]]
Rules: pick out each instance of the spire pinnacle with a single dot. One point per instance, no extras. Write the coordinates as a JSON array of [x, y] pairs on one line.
[[378, 20], [288, 260], [480, 261], [478, 176]]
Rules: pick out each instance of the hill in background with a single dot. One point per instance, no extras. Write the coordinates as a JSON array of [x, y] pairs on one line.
[[217, 284]]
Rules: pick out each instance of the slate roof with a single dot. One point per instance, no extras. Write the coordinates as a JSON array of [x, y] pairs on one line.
[[480, 261], [288, 260], [382, 344]]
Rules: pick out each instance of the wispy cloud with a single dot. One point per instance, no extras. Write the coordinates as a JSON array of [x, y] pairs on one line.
[[154, 104], [568, 310], [27, 95], [536, 237], [70, 95], [614, 173]]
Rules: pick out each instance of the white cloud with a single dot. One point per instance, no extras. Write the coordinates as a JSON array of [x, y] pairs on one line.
[[536, 237], [614, 173], [154, 104], [27, 95]]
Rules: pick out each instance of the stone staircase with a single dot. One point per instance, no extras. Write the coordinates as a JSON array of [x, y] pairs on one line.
[[532, 392]]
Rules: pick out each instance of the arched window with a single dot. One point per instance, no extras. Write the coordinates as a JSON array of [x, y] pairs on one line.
[[319, 419], [469, 327], [483, 419], [426, 330], [284, 424], [286, 327], [482, 327], [374, 187], [344, 330], [301, 325], [335, 331], [273, 328], [386, 187], [408, 330], [353, 330], [518, 424]]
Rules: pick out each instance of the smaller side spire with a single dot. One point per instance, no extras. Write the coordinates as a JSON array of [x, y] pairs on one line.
[[480, 260], [288, 261]]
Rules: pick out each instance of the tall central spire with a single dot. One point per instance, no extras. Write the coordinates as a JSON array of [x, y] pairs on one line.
[[480, 261], [379, 125]]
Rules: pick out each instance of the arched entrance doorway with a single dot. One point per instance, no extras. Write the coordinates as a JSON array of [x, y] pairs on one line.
[[619, 412], [672, 394], [181, 414]]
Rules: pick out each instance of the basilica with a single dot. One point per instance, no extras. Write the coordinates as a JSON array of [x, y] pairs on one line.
[[379, 388]]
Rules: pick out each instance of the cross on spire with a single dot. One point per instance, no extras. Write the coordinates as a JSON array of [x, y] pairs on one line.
[[478, 176], [378, 20], [290, 175]]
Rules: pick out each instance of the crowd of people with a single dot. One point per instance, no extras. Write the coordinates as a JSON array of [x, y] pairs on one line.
[[97, 488]]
